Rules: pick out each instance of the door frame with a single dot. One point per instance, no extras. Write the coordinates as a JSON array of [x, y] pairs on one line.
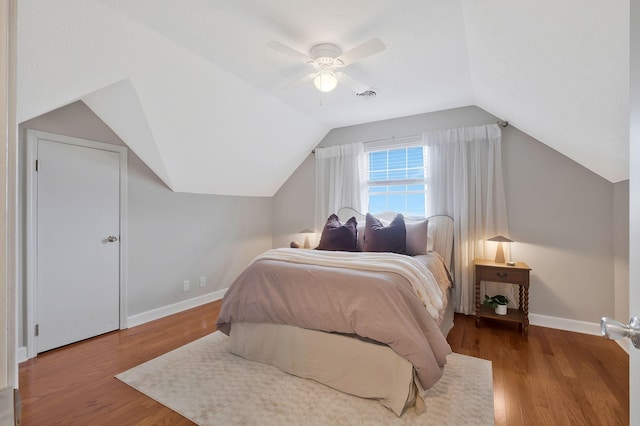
[[31, 240], [9, 197]]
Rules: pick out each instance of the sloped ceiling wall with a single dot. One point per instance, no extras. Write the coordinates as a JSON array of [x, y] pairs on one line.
[[559, 70], [204, 130], [193, 89]]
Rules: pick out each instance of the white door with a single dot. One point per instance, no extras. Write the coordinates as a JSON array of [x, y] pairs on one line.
[[78, 211]]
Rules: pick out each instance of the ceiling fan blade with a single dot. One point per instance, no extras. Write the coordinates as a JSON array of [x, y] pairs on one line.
[[367, 48], [356, 86], [286, 50], [301, 80]]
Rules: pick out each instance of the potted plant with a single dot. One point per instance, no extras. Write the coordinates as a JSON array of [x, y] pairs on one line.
[[498, 303]]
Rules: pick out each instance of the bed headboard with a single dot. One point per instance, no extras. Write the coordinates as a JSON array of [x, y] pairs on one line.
[[440, 229]]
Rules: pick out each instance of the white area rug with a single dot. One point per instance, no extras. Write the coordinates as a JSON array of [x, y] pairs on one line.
[[206, 383]]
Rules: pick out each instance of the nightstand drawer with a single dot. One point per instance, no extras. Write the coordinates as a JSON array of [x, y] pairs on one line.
[[501, 275]]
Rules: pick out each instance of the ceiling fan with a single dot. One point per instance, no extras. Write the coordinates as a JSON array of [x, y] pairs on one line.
[[327, 58]]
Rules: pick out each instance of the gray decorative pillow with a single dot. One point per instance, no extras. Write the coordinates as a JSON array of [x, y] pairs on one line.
[[338, 237]]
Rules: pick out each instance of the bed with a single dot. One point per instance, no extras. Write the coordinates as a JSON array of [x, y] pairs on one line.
[[363, 323]]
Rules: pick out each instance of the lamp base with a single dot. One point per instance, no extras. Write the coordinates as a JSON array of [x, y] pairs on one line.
[[500, 254]]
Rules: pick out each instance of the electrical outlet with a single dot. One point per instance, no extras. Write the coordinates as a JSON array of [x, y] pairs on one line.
[[185, 285], [203, 281]]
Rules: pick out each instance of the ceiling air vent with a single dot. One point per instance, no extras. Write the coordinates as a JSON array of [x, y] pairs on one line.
[[367, 94]]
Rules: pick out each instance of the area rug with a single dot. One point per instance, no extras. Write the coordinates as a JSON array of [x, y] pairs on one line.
[[209, 385]]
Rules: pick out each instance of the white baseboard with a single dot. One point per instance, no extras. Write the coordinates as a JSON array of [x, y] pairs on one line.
[[565, 324], [534, 319], [174, 308], [155, 314], [573, 325]]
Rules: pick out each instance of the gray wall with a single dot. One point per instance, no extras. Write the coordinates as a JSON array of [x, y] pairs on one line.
[[294, 205], [172, 236], [561, 215]]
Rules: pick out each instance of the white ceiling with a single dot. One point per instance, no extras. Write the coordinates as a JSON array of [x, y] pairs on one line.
[[193, 89]]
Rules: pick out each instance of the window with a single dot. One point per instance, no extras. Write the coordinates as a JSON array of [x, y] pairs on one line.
[[396, 180]]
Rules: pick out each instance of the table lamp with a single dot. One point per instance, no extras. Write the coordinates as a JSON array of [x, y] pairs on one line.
[[307, 231], [500, 251]]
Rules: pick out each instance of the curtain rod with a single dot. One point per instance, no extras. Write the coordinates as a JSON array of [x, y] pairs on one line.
[[501, 123], [392, 138]]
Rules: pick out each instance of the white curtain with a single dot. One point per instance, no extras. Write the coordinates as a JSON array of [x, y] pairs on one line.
[[341, 180], [465, 182]]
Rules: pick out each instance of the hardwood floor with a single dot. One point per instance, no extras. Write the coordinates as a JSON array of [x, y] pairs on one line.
[[75, 385], [553, 378]]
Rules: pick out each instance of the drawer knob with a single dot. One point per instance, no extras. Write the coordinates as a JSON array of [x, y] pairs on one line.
[[502, 274]]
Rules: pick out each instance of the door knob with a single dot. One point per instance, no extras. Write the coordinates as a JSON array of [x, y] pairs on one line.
[[112, 238], [616, 330]]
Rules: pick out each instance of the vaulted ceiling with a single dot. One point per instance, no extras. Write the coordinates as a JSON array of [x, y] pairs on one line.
[[194, 90]]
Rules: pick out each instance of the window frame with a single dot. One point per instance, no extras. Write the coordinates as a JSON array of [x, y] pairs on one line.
[[415, 142]]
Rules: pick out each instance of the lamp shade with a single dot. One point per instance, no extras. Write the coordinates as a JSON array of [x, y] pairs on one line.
[[500, 251], [500, 239]]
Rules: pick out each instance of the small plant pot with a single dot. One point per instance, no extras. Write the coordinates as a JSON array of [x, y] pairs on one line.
[[501, 309]]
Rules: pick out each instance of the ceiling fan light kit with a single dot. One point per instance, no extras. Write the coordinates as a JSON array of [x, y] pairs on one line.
[[326, 58], [325, 80]]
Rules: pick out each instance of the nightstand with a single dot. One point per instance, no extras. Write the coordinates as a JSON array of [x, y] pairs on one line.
[[487, 270]]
